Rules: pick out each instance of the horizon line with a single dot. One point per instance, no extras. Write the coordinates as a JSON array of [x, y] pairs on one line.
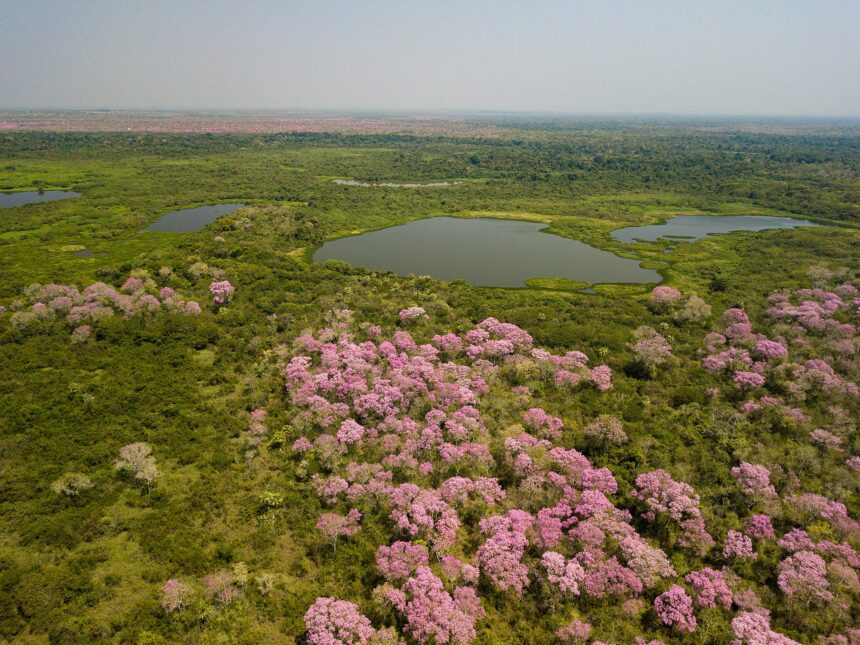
[[436, 111]]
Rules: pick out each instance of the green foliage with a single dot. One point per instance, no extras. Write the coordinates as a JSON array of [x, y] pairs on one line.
[[92, 571]]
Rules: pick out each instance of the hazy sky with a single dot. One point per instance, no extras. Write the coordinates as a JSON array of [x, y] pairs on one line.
[[780, 57]]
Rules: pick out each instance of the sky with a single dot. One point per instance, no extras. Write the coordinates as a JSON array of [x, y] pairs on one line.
[[727, 57]]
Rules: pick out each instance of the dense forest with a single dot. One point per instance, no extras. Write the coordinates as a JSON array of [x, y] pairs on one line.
[[206, 437]]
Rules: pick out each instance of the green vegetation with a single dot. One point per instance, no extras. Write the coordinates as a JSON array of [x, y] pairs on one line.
[[84, 560]]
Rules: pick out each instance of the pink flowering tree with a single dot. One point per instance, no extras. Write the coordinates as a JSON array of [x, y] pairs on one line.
[[754, 479], [576, 631], [758, 527], [401, 559], [222, 292], [753, 628], [739, 546], [432, 614], [336, 622], [412, 313], [174, 596], [663, 297], [565, 575], [334, 526], [710, 588], [606, 430], [803, 576], [677, 501], [675, 609], [650, 348]]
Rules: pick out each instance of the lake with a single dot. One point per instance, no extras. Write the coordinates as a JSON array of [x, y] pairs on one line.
[[191, 219], [483, 252], [687, 228], [9, 200]]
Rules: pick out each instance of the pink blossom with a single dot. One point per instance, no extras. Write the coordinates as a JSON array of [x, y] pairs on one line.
[[221, 586], [662, 494], [599, 479], [755, 480], [174, 595], [448, 342], [350, 432], [336, 622], [606, 576], [421, 512], [537, 420], [81, 333], [601, 376], [456, 570], [803, 574], [675, 609], [732, 358], [649, 563], [500, 555], [738, 545], [745, 379], [606, 429], [132, 285], [649, 346], [758, 527], [565, 575], [710, 587], [302, 444], [412, 313], [734, 316], [434, 615], [770, 349], [834, 512], [576, 631], [221, 291], [329, 488], [334, 526], [399, 561], [753, 628], [821, 437], [663, 296]]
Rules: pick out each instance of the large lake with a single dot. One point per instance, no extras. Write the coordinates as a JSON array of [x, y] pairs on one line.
[[483, 252], [8, 200], [191, 219], [695, 227]]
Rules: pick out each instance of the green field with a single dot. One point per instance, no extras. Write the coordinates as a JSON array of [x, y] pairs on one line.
[[90, 569]]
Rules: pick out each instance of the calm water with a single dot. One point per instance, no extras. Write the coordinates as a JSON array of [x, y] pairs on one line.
[[191, 219], [8, 200], [695, 227], [483, 252]]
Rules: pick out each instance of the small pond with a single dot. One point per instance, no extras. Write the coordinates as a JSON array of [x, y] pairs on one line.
[[8, 200], [483, 252], [687, 228], [191, 219]]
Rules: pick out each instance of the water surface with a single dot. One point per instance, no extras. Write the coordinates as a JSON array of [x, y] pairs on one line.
[[191, 219], [483, 252], [8, 200], [694, 227]]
